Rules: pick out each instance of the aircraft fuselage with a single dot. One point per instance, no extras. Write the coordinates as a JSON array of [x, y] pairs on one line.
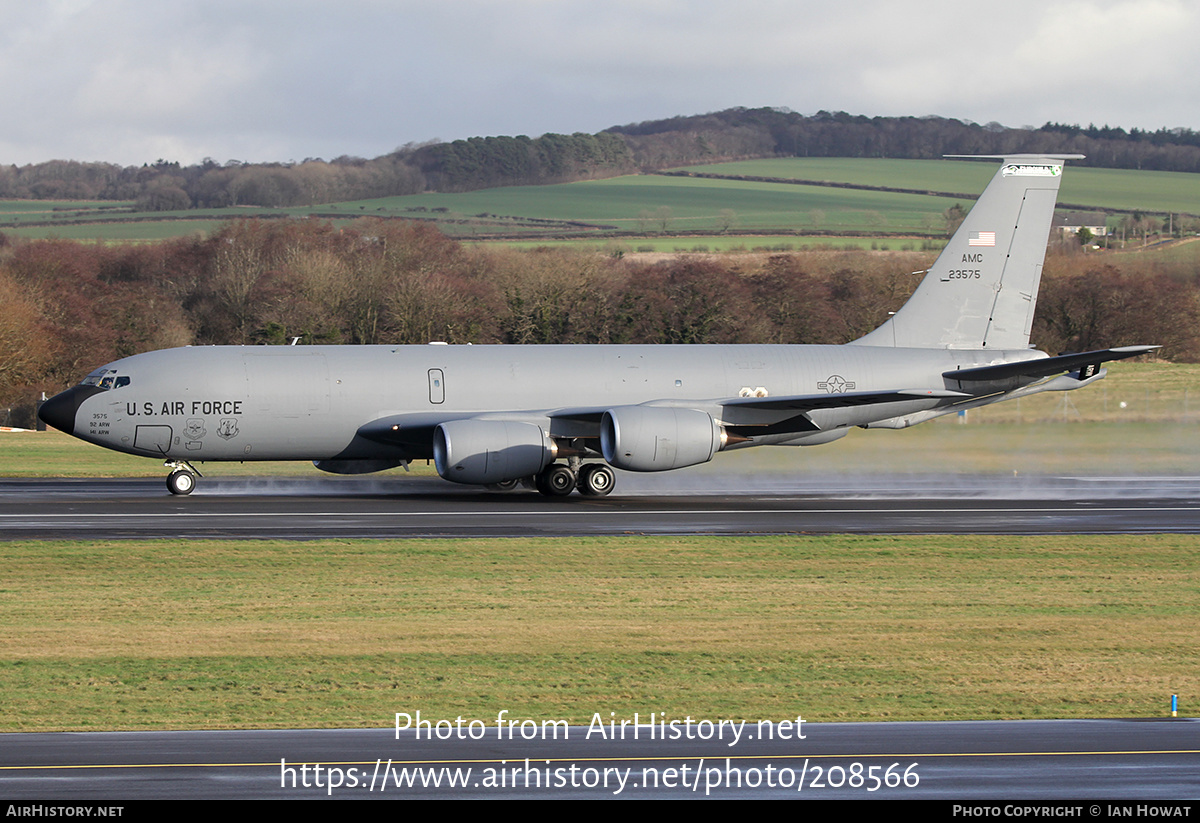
[[308, 402]]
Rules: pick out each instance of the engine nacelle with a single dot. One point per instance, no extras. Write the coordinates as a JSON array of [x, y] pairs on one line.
[[490, 451], [658, 438]]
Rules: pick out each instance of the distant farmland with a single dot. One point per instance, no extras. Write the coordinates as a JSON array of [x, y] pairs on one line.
[[653, 206], [1153, 192]]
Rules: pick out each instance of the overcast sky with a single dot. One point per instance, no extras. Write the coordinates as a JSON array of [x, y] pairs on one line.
[[132, 81]]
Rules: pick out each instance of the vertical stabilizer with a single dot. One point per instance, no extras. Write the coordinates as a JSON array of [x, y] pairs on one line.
[[981, 291]]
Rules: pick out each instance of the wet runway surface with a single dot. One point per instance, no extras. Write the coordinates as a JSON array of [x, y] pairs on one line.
[[300, 508], [978, 761]]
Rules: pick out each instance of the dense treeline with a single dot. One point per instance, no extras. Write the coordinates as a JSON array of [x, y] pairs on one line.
[[70, 306], [780, 132], [484, 162], [459, 166], [167, 186], [1163, 137]]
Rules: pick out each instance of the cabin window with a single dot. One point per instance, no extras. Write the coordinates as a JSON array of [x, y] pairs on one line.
[[106, 379], [437, 386]]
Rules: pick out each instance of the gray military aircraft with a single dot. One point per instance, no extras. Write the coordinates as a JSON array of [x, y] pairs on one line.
[[499, 415]]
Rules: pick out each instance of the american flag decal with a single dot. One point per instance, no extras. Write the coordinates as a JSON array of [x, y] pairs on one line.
[[981, 238]]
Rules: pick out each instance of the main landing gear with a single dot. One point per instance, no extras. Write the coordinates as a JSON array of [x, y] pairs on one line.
[[559, 480], [182, 479], [596, 480]]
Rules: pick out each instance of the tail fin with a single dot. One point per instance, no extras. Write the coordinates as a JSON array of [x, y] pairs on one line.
[[981, 291]]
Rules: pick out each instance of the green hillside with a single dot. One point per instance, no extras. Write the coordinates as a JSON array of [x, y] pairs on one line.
[[635, 204], [1148, 191]]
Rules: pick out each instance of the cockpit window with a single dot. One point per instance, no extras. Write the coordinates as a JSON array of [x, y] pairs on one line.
[[106, 379]]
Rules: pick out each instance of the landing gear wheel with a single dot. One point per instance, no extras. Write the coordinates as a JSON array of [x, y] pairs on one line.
[[596, 480], [181, 481], [556, 480], [503, 485]]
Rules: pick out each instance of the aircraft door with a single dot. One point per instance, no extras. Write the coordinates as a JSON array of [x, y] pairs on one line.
[[437, 386], [155, 439]]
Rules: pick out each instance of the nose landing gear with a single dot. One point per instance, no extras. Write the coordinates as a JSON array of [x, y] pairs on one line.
[[182, 479]]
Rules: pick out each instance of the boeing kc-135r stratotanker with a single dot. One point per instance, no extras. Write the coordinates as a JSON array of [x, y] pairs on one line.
[[498, 415]]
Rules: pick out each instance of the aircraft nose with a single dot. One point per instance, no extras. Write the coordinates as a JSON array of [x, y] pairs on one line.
[[59, 411]]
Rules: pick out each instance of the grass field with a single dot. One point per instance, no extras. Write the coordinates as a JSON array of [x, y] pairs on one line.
[[923, 175], [211, 634], [729, 244], [148, 231], [59, 209], [1155, 192], [1132, 393], [693, 204]]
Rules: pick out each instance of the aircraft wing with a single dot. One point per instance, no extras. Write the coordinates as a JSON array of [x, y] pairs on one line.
[[416, 430], [758, 416], [784, 403], [838, 400], [411, 430], [1046, 366]]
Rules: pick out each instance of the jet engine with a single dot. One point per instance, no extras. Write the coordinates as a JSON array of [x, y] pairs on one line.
[[490, 451], [658, 438]]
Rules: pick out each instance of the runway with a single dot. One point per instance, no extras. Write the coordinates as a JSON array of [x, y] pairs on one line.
[[1081, 760], [303, 508]]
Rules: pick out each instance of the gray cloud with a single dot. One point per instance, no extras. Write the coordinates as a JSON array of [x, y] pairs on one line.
[[132, 81]]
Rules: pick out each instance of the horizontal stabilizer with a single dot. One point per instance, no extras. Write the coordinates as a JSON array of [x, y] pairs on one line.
[[1046, 366], [1012, 158]]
